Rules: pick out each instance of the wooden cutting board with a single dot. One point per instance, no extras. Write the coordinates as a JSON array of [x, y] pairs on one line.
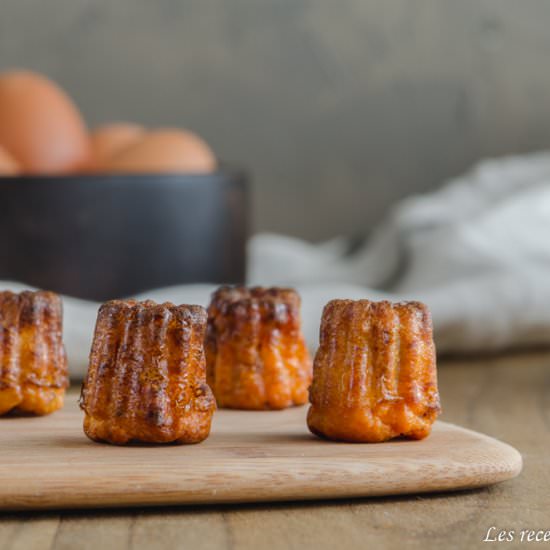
[[250, 456]]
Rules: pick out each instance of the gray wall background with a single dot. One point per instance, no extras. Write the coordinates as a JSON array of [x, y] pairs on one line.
[[337, 107]]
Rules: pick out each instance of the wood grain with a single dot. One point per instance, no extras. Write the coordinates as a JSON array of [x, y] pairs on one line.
[[507, 397], [47, 462]]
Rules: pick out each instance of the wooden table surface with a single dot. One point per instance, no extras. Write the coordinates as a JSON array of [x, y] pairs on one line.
[[507, 397]]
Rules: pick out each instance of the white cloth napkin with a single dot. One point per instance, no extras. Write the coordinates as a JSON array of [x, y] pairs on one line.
[[477, 251]]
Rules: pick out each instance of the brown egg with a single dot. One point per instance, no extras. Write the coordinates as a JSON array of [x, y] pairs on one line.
[[40, 126], [8, 165], [110, 139], [165, 151]]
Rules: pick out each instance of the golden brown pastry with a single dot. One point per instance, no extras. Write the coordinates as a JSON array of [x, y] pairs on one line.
[[147, 380], [33, 364], [374, 375], [256, 355]]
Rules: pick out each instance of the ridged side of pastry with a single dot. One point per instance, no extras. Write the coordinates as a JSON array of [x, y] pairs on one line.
[[257, 357], [147, 375], [374, 373], [33, 364]]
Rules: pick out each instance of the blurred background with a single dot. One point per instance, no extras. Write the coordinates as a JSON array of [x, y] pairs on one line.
[[355, 118], [336, 108]]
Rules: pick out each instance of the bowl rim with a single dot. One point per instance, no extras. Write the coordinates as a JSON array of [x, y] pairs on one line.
[[224, 174]]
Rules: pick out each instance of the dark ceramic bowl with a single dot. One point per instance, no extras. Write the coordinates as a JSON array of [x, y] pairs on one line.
[[110, 236]]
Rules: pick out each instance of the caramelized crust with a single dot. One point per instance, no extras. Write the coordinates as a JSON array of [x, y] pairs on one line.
[[374, 375], [33, 364], [256, 355], [147, 380]]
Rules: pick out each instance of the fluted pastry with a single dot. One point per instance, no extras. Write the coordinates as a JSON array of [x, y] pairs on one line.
[[33, 364], [146, 381], [374, 373], [256, 354]]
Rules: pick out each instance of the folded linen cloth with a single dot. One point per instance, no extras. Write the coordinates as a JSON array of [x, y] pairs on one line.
[[477, 251]]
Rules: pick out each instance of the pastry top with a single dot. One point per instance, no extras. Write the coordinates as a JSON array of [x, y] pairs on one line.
[[236, 293], [405, 304], [29, 306], [278, 305], [415, 314], [188, 313]]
